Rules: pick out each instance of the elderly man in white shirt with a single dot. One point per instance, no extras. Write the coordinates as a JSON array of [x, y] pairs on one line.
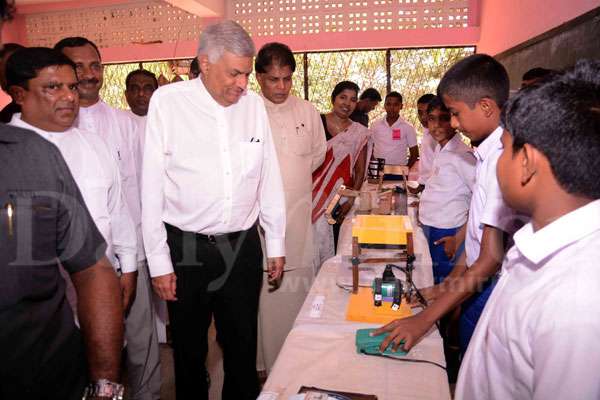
[[49, 104], [393, 137], [119, 131], [210, 173], [299, 139]]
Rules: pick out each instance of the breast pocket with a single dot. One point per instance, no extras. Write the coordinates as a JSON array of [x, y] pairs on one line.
[[299, 142], [252, 159], [32, 222]]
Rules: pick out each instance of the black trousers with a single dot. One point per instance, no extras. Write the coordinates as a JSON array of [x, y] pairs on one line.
[[220, 278]]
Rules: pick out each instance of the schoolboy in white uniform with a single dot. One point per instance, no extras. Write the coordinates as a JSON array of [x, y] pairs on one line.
[[444, 204], [393, 137], [428, 144], [538, 335], [474, 90]]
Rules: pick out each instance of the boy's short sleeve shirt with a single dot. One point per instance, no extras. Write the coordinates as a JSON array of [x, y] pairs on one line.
[[537, 337], [487, 205], [392, 142]]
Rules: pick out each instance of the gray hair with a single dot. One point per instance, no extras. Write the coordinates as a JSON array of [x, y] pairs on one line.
[[225, 36]]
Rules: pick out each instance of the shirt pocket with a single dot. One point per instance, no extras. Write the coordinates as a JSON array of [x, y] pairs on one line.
[[252, 159], [34, 218], [299, 142]]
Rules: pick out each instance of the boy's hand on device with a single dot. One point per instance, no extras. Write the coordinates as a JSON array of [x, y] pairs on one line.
[[449, 243], [410, 329]]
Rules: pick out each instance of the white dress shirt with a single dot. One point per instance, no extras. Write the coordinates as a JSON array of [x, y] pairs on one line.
[[119, 131], [445, 201], [487, 205], [140, 134], [426, 151], [537, 337], [96, 173], [208, 169], [392, 142]]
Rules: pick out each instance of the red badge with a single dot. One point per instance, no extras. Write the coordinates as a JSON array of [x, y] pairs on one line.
[[396, 134]]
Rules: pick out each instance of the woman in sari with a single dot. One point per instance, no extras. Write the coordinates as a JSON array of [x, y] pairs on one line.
[[345, 164]]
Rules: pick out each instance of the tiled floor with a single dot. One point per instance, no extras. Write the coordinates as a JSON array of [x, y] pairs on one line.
[[214, 363]]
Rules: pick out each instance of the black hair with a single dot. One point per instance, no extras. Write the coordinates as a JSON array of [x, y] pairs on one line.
[[370, 94], [140, 71], [561, 118], [394, 94], [25, 64], [274, 53], [195, 67], [436, 103], [76, 41], [475, 77], [9, 48], [426, 98], [344, 85], [537, 73], [7, 10]]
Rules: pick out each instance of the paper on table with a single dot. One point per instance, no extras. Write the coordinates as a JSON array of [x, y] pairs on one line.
[[361, 309]]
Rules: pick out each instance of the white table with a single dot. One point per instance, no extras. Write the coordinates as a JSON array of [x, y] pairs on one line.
[[320, 351]]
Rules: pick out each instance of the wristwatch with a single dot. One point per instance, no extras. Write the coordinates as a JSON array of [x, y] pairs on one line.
[[104, 388]]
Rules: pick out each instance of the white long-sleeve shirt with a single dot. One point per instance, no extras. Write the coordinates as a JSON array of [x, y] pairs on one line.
[[208, 169], [537, 337], [97, 175], [445, 201], [426, 156], [119, 131]]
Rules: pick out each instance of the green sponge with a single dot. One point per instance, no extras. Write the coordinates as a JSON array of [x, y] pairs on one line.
[[366, 344]]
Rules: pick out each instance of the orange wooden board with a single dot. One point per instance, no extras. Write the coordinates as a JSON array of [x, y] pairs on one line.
[[361, 309]]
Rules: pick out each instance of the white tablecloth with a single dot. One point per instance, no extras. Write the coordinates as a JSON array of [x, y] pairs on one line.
[[320, 350]]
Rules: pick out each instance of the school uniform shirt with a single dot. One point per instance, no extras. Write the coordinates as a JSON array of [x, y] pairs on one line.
[[119, 131], [538, 335], [426, 151], [392, 142], [487, 205], [445, 201], [97, 176], [208, 169]]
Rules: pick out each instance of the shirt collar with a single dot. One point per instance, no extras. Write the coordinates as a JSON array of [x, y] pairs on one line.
[[452, 144], [207, 98], [50, 136], [536, 246], [491, 143], [96, 106], [270, 106]]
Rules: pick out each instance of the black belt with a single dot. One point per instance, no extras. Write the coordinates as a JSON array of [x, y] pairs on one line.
[[212, 239]]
